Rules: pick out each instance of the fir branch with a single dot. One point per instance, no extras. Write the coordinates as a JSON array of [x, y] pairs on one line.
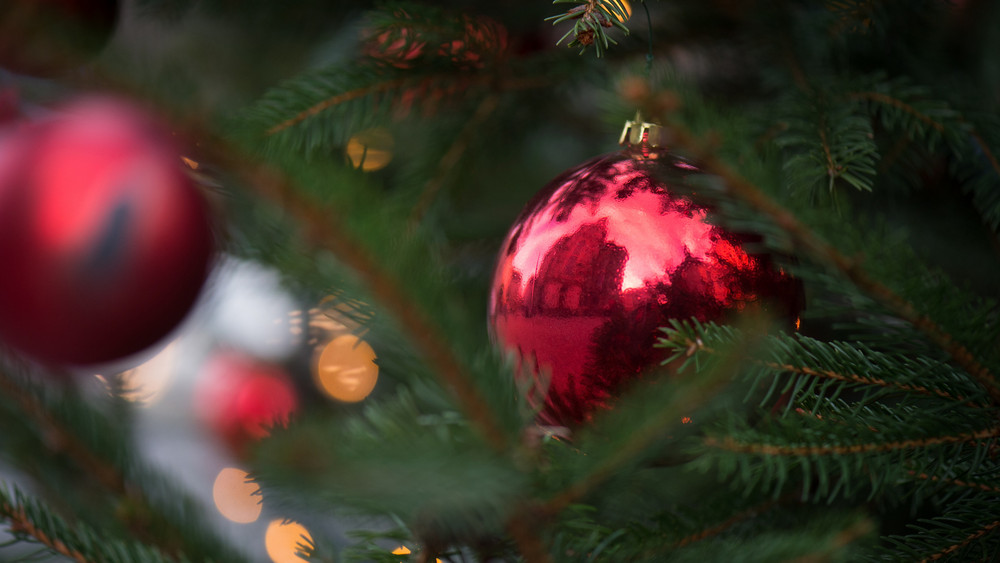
[[838, 542], [900, 105], [337, 99], [325, 229], [956, 482], [20, 523], [751, 512], [966, 541], [591, 18], [642, 429], [691, 339], [30, 519], [60, 439], [728, 443], [454, 153], [809, 241]]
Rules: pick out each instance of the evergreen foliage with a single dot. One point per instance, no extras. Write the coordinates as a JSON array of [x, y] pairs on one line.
[[833, 128]]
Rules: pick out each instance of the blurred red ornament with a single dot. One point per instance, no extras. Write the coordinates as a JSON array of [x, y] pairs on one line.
[[105, 242], [600, 259], [241, 398], [47, 36]]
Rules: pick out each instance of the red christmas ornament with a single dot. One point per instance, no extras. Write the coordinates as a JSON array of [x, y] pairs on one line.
[[605, 255], [46, 36], [241, 399], [105, 242]]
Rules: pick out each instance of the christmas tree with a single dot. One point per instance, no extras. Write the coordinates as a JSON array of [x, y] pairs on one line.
[[267, 295]]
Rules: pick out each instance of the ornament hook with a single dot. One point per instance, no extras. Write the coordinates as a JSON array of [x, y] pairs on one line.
[[642, 135]]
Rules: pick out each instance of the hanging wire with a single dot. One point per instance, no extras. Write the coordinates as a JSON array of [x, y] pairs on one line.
[[649, 54]]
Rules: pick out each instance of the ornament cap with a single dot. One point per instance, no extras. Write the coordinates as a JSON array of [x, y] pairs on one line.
[[642, 135]]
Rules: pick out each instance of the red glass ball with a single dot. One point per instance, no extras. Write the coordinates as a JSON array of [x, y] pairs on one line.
[[599, 260], [241, 398], [42, 37], [105, 243]]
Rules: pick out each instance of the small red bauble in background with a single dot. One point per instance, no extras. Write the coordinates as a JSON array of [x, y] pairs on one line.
[[47, 36], [241, 398], [105, 243], [605, 255], [467, 42]]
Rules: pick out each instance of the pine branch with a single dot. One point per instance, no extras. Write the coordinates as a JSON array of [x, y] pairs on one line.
[[987, 529], [957, 482], [324, 229], [30, 519], [590, 18], [730, 444], [717, 529], [841, 362], [810, 242], [642, 424], [68, 426]]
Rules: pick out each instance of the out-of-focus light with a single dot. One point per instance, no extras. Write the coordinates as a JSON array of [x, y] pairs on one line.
[[346, 369], [145, 383], [370, 149], [798, 322], [193, 165], [628, 11], [403, 550], [284, 539], [686, 420], [235, 496]]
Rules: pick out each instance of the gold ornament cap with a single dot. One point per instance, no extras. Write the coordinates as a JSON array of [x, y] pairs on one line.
[[643, 136]]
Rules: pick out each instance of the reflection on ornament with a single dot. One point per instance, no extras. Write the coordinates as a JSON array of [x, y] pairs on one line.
[[144, 384], [346, 369], [236, 497], [605, 255], [370, 149], [285, 539]]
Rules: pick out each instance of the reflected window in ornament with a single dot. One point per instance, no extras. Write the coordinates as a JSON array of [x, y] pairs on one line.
[[285, 539], [371, 149], [236, 497], [345, 369]]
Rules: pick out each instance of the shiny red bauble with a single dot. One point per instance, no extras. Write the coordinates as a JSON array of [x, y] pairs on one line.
[[605, 255], [241, 398], [105, 243], [46, 36]]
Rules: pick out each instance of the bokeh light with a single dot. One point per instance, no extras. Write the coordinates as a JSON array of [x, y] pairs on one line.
[[145, 383], [370, 149], [235, 496], [284, 539], [401, 550], [628, 11], [345, 369]]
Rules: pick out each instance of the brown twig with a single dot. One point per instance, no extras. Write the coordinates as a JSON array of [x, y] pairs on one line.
[[957, 482], [729, 523], [968, 539], [811, 243], [730, 444], [20, 523], [324, 229], [451, 157]]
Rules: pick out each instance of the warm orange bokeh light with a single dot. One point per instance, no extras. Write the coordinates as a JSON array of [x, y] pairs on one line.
[[346, 369], [401, 550], [284, 539], [235, 496], [686, 420], [628, 11], [798, 322], [370, 149]]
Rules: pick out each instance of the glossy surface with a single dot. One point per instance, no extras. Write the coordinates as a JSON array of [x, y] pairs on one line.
[[598, 261], [105, 243]]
